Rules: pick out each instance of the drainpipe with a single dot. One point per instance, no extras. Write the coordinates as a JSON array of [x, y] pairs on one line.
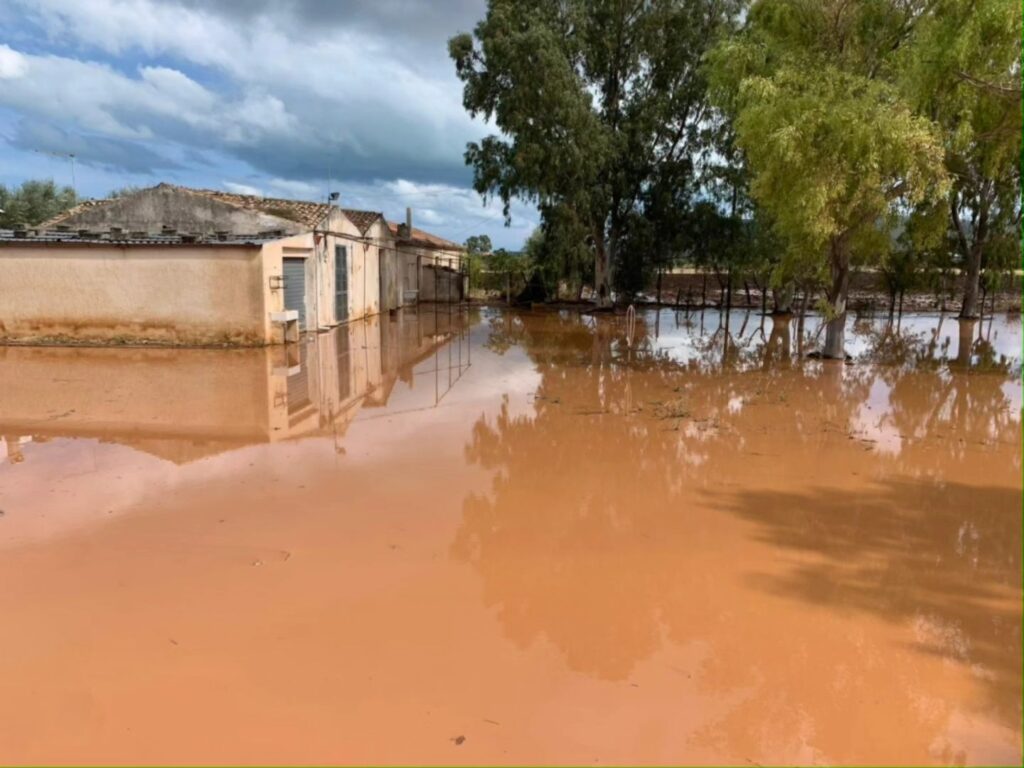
[[316, 274]]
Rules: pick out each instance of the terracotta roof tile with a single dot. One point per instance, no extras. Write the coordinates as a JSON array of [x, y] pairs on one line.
[[362, 219], [309, 214], [303, 212], [73, 211], [427, 240]]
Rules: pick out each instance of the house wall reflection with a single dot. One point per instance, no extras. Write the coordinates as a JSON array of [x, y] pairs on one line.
[[184, 404]]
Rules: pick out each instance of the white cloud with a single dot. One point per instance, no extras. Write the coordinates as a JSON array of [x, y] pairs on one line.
[[297, 189], [12, 63], [242, 189], [450, 211], [256, 97], [160, 102], [355, 94]]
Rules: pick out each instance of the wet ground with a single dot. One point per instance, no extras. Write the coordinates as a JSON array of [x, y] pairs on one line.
[[517, 537]]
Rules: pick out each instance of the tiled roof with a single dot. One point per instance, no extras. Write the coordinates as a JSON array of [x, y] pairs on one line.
[[304, 212], [54, 237], [73, 211], [427, 240], [362, 219]]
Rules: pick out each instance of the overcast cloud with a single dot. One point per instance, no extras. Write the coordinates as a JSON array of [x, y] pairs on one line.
[[261, 96]]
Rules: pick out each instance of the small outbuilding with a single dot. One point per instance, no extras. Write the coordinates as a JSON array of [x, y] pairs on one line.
[[177, 265], [430, 268]]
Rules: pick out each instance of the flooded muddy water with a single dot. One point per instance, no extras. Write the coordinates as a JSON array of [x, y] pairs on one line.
[[486, 536]]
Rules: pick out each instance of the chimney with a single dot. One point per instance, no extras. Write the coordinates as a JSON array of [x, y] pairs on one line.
[[408, 222]]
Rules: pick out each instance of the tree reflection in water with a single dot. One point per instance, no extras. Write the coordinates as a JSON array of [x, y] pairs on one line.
[[604, 532]]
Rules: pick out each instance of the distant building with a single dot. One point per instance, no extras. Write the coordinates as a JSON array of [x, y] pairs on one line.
[[172, 264], [431, 268]]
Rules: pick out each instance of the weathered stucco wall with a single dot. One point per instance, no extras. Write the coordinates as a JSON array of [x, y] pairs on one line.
[[149, 210], [272, 255], [363, 272], [416, 267], [390, 267], [440, 284], [176, 294], [318, 248]]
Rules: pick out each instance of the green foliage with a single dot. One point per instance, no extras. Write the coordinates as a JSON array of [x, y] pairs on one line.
[[837, 157], [964, 73], [478, 245], [34, 202], [502, 271], [596, 102], [477, 248], [559, 250]]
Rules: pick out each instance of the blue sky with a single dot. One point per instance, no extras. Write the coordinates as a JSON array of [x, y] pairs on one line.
[[259, 96]]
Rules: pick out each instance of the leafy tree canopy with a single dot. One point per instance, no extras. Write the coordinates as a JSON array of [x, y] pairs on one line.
[[34, 202], [595, 101]]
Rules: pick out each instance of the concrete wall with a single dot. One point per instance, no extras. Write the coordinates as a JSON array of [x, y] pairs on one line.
[[439, 283], [391, 270], [416, 266], [192, 294], [150, 209]]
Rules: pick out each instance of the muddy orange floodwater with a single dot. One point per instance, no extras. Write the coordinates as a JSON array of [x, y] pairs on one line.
[[485, 536]]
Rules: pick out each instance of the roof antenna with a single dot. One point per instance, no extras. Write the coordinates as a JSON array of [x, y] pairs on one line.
[[331, 196]]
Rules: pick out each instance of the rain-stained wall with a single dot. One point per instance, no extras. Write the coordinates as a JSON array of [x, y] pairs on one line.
[[182, 294]]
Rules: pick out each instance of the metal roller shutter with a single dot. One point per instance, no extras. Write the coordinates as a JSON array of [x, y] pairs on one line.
[[295, 287]]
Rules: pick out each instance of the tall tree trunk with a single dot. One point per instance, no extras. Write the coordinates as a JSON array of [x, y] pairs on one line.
[[783, 299], [602, 274], [972, 252], [659, 285], [704, 290], [966, 340], [839, 267], [972, 280], [746, 288], [778, 340]]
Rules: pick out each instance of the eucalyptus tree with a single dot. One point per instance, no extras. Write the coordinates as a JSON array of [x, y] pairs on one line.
[[836, 156], [593, 100]]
